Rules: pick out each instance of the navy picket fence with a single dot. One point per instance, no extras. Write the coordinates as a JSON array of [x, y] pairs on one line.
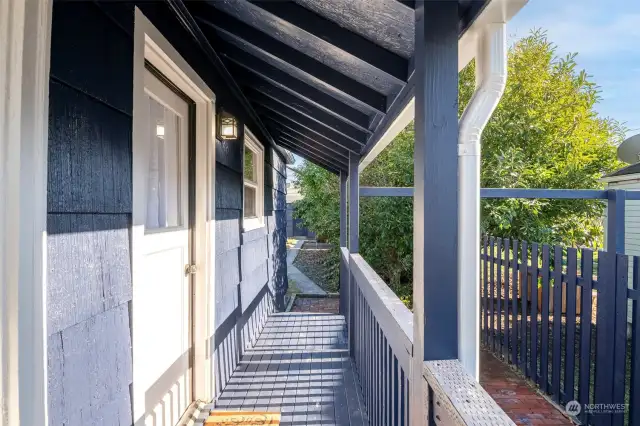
[[578, 341]]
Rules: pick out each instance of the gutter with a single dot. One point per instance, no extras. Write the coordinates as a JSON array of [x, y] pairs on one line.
[[491, 78]]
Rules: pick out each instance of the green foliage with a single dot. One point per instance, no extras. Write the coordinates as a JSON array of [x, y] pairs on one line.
[[544, 134]]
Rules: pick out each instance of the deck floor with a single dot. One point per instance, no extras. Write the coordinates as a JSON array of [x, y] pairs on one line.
[[300, 367]]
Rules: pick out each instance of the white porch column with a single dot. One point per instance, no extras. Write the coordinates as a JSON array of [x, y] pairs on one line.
[[25, 28]]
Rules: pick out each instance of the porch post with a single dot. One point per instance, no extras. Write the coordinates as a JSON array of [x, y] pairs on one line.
[[25, 34], [354, 232], [343, 209], [616, 200], [435, 202]]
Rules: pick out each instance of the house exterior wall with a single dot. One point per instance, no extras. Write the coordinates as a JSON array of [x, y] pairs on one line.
[[90, 196], [631, 226]]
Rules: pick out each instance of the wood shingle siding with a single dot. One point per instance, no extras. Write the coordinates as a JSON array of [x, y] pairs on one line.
[[89, 298]]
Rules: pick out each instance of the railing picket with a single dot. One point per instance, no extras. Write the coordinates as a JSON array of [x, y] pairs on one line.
[[403, 399], [570, 319], [605, 323], [544, 329], [485, 293], [505, 339], [533, 330], [499, 295], [585, 330], [634, 409], [557, 322], [396, 392], [524, 289], [620, 337], [492, 284], [514, 304]]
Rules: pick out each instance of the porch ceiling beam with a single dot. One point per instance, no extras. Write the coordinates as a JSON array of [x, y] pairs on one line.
[[320, 155], [234, 28], [287, 103], [310, 157], [348, 41], [189, 23], [320, 131], [339, 159], [268, 74], [293, 133], [310, 154]]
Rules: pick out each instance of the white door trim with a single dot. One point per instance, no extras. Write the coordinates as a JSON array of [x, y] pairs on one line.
[[149, 44], [25, 34]]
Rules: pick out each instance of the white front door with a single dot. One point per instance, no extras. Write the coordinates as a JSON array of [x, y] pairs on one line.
[[161, 310]]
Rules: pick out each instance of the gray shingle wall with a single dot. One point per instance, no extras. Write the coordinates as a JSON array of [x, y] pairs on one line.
[[90, 204]]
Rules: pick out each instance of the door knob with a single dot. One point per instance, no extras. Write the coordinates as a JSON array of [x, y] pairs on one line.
[[190, 269]]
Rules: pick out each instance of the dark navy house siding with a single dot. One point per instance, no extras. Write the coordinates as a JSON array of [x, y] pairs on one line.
[[90, 203]]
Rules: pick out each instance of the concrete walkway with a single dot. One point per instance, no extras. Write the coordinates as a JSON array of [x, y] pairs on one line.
[[304, 283]]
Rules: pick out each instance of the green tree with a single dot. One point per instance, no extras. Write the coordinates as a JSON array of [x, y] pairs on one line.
[[544, 133]]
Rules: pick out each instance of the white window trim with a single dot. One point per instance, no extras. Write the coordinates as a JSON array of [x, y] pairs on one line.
[[251, 142], [24, 118], [149, 44]]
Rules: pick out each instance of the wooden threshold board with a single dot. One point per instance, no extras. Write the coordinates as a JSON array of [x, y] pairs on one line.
[[242, 418]]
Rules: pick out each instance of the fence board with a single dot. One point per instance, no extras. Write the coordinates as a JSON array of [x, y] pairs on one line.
[[505, 339], [570, 317], [544, 340], [634, 409], [485, 293], [533, 367], [604, 325], [585, 330], [557, 322], [514, 304], [492, 333], [620, 337], [499, 296], [524, 289]]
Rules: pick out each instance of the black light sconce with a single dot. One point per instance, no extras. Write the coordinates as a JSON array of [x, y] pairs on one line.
[[227, 126]]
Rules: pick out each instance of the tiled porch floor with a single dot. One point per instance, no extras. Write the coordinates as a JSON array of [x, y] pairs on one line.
[[300, 367]]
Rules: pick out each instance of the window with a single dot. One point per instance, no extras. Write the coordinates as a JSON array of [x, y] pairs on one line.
[[253, 161], [166, 167]]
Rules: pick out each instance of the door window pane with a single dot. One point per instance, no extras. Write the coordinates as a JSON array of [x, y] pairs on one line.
[[163, 189], [249, 201]]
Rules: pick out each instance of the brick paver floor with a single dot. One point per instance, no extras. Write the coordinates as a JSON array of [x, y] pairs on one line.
[[519, 399], [327, 305]]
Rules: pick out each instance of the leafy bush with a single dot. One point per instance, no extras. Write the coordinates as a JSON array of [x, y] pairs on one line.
[[544, 134]]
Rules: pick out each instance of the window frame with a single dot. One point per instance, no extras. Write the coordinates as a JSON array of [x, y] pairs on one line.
[[251, 143]]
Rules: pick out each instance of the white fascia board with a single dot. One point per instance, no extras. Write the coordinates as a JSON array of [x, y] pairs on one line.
[[495, 12]]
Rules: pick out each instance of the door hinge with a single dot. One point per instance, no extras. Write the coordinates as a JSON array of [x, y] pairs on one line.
[[190, 269]]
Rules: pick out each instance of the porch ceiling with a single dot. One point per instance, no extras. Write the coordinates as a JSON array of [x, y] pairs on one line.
[[324, 77]]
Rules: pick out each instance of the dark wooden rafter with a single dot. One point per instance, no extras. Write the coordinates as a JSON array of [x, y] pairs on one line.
[[305, 122], [268, 97], [311, 157], [298, 149], [189, 23], [348, 41], [282, 134], [251, 66], [237, 29], [299, 133]]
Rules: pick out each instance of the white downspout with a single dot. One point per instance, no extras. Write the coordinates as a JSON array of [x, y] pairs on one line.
[[491, 78]]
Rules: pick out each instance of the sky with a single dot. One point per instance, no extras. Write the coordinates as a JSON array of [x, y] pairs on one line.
[[606, 36]]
